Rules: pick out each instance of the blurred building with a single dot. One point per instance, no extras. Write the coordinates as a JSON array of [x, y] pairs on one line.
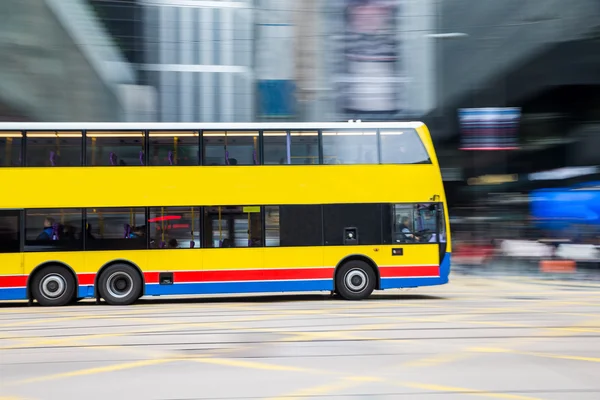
[[538, 56], [199, 57], [59, 64]]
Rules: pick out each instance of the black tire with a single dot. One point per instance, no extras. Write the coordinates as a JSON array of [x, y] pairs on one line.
[[355, 280], [53, 286], [120, 285]]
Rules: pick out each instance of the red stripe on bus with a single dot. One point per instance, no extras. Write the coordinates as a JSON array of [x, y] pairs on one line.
[[244, 275], [13, 281], [86, 279], [409, 271], [267, 274]]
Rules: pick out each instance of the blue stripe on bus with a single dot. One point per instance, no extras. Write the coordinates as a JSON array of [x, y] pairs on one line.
[[85, 291], [239, 287], [395, 283], [13, 294]]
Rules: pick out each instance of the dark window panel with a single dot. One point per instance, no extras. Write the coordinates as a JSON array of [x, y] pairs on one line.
[[232, 226], [10, 149], [54, 149], [115, 148], [174, 148], [116, 229], [53, 229], [174, 227], [10, 232], [230, 148], [303, 147]]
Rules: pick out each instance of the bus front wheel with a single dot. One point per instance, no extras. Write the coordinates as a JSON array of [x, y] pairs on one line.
[[355, 280], [53, 286], [120, 285]]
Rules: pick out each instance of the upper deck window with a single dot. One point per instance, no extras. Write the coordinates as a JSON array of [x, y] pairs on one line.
[[350, 147], [10, 149], [291, 147], [174, 148], [402, 146], [230, 148], [115, 148], [53, 149]]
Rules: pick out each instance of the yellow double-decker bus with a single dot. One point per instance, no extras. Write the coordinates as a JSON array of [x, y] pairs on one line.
[[117, 211]]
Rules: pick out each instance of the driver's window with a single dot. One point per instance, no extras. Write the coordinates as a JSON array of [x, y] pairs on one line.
[[414, 223], [403, 228]]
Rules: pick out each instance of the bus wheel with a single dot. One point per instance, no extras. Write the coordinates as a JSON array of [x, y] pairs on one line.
[[120, 285], [355, 280], [53, 286]]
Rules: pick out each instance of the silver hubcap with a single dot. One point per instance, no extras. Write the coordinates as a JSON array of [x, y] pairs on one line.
[[119, 284], [53, 286], [356, 280]]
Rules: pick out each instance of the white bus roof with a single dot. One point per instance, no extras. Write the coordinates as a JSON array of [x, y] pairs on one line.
[[221, 126]]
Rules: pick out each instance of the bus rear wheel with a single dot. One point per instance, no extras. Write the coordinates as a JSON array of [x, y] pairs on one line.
[[355, 280], [53, 286], [120, 285]]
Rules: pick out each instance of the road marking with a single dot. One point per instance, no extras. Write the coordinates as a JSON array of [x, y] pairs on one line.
[[465, 391], [437, 360], [92, 371], [535, 354], [252, 365], [321, 390]]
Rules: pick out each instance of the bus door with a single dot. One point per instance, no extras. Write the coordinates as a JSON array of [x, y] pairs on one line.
[[235, 234], [11, 258]]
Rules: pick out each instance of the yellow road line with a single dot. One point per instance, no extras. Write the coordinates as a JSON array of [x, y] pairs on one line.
[[465, 391], [535, 354], [327, 388], [91, 371], [253, 365]]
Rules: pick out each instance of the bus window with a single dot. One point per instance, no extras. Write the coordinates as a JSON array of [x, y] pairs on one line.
[[10, 149], [115, 229], [402, 147], [293, 225], [230, 148], [414, 223], [10, 235], [232, 226], [174, 148], [174, 227], [52, 229], [115, 148], [365, 218], [54, 149], [293, 147], [350, 147]]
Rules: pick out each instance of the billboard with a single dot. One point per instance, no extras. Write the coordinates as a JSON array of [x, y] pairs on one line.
[[365, 57], [493, 128]]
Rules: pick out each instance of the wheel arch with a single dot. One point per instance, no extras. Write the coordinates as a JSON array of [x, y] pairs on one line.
[[115, 262], [359, 257], [52, 263]]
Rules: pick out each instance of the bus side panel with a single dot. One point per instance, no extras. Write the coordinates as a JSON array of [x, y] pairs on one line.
[[186, 266], [13, 282], [298, 268], [418, 264]]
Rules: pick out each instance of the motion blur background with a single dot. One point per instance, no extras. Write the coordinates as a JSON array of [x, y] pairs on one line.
[[509, 89]]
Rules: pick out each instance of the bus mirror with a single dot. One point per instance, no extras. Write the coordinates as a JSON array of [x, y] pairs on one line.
[[350, 236]]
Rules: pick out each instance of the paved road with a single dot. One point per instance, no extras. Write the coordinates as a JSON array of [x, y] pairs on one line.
[[475, 338]]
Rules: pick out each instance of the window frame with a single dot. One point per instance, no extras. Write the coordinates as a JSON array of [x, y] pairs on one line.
[[353, 129], [319, 146], [413, 130], [198, 219], [199, 146], [145, 137], [21, 150], [20, 226], [25, 145]]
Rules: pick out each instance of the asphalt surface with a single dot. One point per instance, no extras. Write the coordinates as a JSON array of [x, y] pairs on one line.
[[478, 337]]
